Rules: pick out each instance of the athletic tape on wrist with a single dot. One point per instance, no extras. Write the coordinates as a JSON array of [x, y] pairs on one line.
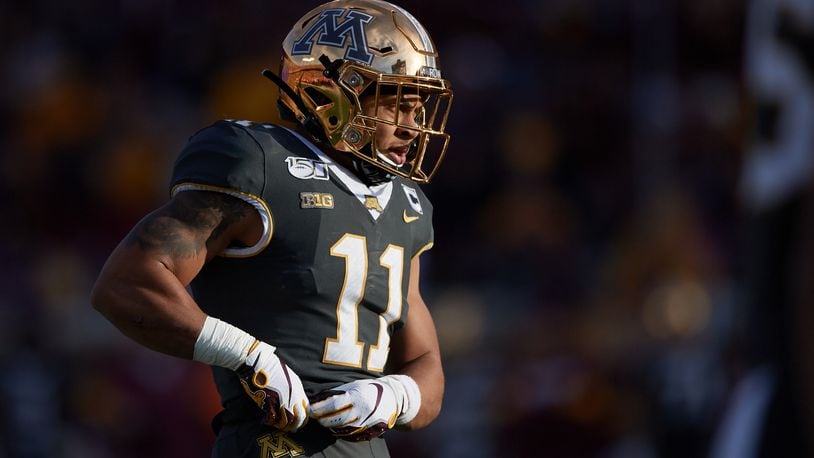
[[411, 395], [221, 344]]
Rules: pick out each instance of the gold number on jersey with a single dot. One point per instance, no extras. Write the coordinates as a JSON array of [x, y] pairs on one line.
[[392, 258], [346, 349]]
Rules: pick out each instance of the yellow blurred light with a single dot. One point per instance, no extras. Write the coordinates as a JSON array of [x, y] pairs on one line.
[[677, 309]]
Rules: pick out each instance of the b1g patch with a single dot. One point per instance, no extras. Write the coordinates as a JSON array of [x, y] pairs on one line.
[[316, 200], [278, 445], [307, 169]]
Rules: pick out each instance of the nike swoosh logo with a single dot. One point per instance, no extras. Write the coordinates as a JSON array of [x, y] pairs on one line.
[[409, 219]]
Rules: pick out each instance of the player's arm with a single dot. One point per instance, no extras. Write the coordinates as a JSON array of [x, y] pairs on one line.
[[142, 291], [414, 352], [142, 287]]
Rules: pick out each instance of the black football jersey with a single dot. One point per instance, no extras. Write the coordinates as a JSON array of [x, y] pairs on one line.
[[327, 282]]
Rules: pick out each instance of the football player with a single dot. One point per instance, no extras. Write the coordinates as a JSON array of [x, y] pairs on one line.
[[301, 246]]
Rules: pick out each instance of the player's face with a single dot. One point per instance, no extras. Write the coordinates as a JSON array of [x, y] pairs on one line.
[[394, 141]]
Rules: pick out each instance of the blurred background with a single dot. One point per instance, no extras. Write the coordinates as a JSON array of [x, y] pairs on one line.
[[623, 221]]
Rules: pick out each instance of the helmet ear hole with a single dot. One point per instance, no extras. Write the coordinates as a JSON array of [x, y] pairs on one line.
[[319, 99], [333, 120]]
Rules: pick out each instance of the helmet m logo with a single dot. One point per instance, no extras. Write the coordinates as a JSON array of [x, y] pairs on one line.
[[327, 32]]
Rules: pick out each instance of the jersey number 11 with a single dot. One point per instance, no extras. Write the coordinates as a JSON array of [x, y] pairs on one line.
[[346, 349]]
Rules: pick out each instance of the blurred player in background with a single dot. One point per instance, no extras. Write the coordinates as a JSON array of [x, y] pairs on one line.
[[770, 412], [301, 246]]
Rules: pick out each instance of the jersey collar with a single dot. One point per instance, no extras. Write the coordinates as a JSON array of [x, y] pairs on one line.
[[381, 192]]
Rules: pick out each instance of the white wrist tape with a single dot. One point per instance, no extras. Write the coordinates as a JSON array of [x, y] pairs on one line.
[[221, 344], [411, 395]]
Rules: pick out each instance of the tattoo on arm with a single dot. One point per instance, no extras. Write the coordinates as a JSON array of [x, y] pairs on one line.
[[182, 228]]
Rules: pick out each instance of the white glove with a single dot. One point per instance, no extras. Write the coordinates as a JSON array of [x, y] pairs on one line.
[[271, 384], [275, 388], [365, 409]]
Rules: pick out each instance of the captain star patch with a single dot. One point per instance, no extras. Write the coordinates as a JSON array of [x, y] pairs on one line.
[[412, 197]]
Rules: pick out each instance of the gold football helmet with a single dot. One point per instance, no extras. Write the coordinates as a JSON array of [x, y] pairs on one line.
[[346, 50]]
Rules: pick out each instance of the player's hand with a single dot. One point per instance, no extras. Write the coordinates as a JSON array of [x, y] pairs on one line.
[[363, 409], [274, 387]]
